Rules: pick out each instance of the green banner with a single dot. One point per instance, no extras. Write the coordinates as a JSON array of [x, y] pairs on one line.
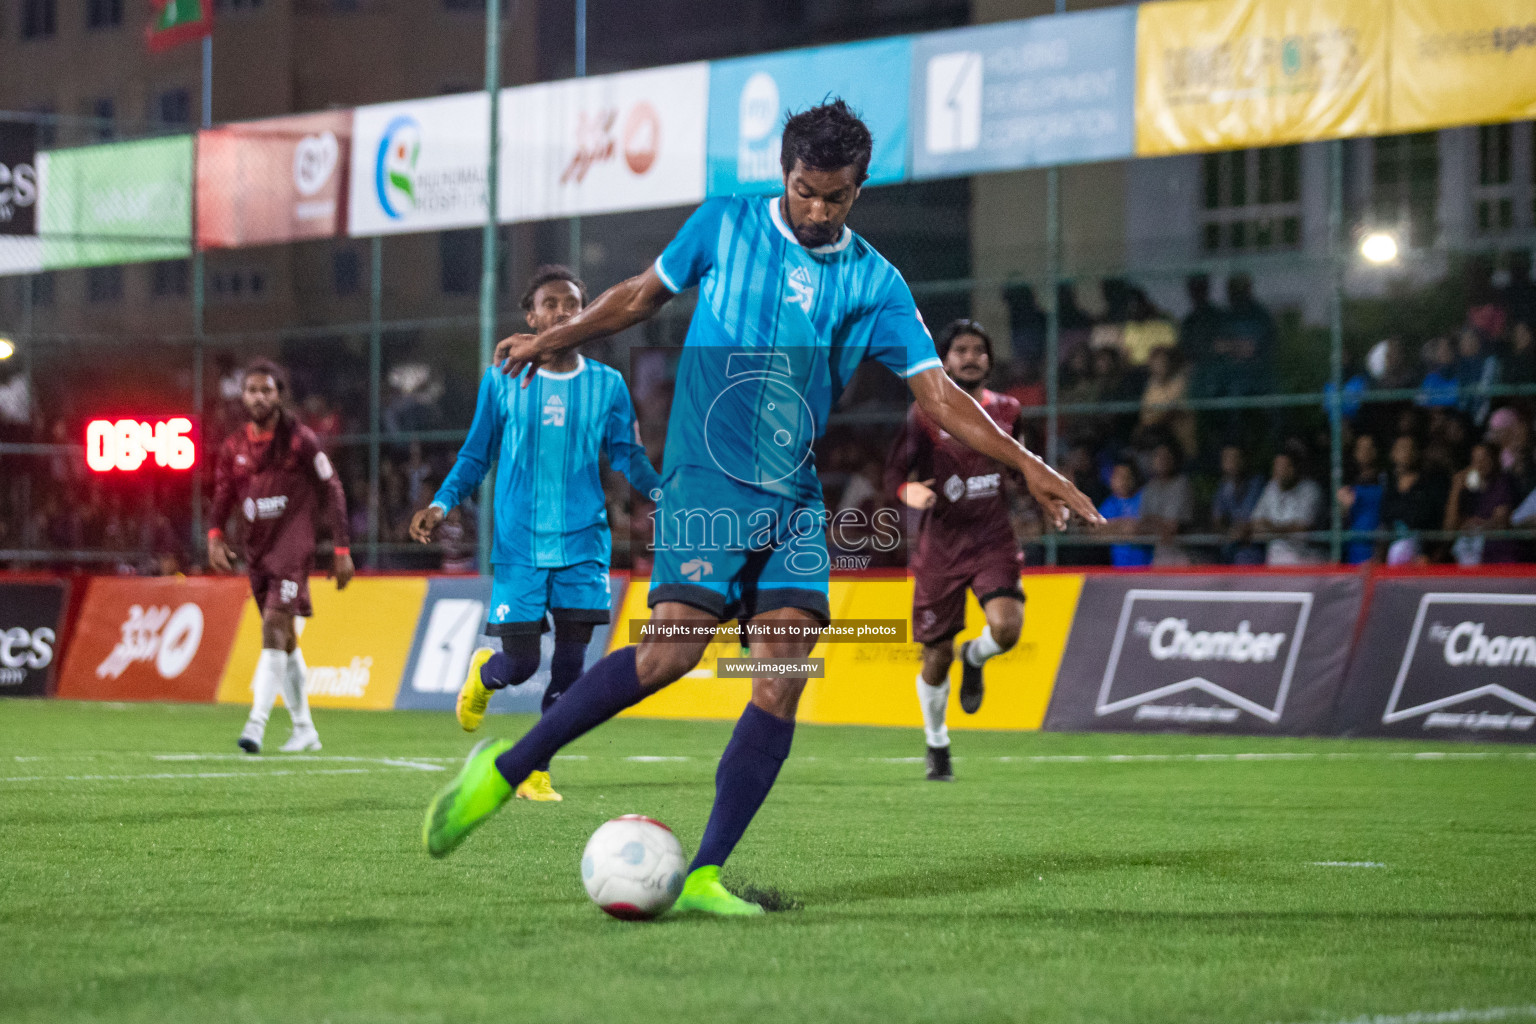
[[127, 202]]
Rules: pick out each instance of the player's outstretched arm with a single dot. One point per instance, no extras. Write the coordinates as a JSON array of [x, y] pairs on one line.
[[619, 308], [957, 412]]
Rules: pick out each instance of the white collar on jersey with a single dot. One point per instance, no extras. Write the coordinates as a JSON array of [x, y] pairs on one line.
[[820, 250], [581, 364]]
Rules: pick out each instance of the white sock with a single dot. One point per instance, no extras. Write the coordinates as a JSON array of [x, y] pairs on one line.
[[934, 700], [983, 647], [293, 691], [271, 667]]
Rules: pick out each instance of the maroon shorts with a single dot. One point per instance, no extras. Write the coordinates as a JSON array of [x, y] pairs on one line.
[[938, 598], [286, 591]]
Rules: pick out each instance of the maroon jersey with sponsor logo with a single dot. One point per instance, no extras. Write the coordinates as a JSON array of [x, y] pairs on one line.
[[277, 494], [968, 524]]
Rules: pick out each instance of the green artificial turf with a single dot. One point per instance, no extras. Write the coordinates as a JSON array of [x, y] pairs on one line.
[[1051, 883]]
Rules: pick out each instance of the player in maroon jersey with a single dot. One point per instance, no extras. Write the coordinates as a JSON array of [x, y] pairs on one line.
[[966, 540], [274, 471]]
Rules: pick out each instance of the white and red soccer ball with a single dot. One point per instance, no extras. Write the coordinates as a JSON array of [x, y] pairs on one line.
[[633, 867]]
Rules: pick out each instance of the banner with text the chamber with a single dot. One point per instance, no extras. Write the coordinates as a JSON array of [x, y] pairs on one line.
[[1469, 62], [1240, 73], [1260, 654]]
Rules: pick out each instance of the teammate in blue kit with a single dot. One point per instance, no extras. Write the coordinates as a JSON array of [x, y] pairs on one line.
[[791, 302], [551, 545]]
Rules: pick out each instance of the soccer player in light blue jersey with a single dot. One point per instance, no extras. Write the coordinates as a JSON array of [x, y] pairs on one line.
[[791, 302], [551, 546]]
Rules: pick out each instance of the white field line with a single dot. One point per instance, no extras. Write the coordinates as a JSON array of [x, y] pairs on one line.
[[1457, 1016], [188, 775], [393, 762], [1346, 864]]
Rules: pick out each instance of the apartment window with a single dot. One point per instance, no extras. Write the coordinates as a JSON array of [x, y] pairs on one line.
[[47, 127], [459, 255], [104, 113], [1405, 184], [237, 5], [39, 19], [1251, 200], [42, 288], [170, 278], [172, 107], [346, 272], [104, 284], [237, 285], [103, 13]]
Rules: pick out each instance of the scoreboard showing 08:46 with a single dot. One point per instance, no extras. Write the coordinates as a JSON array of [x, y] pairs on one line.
[[127, 445]]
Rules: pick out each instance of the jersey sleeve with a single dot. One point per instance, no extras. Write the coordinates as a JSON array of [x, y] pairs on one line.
[[621, 439], [317, 466], [480, 448], [691, 254], [900, 340]]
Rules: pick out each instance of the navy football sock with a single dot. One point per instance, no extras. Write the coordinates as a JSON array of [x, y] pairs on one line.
[[747, 771], [607, 688], [517, 660], [564, 668]]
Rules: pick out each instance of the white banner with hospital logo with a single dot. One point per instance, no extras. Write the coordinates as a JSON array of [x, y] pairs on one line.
[[419, 165], [630, 141]]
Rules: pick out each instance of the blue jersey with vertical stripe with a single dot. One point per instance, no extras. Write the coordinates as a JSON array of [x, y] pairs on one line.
[[777, 334], [550, 509]]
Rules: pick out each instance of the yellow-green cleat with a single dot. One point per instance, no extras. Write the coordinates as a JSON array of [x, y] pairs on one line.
[[469, 709], [703, 894], [473, 796]]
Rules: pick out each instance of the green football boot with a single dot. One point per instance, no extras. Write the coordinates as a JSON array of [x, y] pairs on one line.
[[703, 894], [473, 796]]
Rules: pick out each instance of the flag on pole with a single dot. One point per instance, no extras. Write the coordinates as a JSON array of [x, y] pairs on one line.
[[178, 21]]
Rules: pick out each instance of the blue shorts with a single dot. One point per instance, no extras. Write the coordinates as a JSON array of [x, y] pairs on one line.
[[737, 551], [522, 594]]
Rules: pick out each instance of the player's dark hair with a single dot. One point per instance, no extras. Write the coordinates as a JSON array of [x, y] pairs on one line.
[[827, 138], [954, 329], [282, 429], [545, 274]]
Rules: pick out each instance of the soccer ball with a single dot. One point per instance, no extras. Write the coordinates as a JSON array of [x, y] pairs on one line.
[[633, 867]]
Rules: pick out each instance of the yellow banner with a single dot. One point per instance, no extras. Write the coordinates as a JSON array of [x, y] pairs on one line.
[[875, 683], [1229, 74], [1467, 62], [355, 646]]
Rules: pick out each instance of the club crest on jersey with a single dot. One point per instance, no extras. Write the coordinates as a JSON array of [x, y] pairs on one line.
[[802, 294], [554, 412], [954, 488]]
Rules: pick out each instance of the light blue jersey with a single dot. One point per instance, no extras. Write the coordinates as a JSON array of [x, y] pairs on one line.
[[550, 509], [778, 333]]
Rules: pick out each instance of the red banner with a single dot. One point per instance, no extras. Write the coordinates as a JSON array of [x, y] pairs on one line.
[[153, 638], [278, 180]]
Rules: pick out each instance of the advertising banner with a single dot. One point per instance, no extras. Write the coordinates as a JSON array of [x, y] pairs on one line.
[[750, 97], [1258, 73], [18, 178], [1449, 658], [1210, 653], [149, 638], [125, 202], [874, 683], [1470, 62], [279, 180], [449, 632], [631, 141], [419, 165], [1024, 94], [31, 622], [355, 646]]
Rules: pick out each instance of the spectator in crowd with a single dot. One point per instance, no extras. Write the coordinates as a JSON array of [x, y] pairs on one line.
[[1245, 347], [1510, 435], [1412, 501], [1482, 498], [1520, 358], [1026, 322], [1237, 493], [1361, 500], [1147, 329], [1167, 388], [1079, 467], [1476, 367], [1122, 509], [1289, 504], [1438, 389], [1167, 506], [1198, 332]]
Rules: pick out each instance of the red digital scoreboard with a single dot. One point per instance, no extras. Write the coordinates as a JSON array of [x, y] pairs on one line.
[[130, 444]]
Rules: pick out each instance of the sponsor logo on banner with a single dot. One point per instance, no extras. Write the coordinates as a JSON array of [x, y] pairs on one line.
[[1479, 647], [1239, 647], [1024, 94], [124, 202], [152, 638], [18, 178], [1470, 62], [1204, 652], [278, 180], [30, 616], [750, 97], [631, 141], [419, 165]]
